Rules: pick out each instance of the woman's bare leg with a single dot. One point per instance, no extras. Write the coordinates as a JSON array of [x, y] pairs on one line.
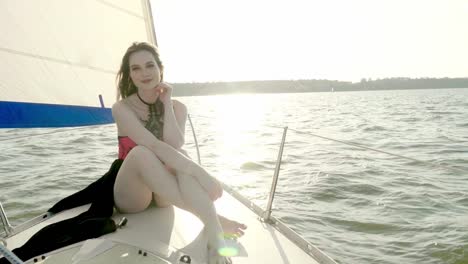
[[198, 201], [230, 227], [142, 174]]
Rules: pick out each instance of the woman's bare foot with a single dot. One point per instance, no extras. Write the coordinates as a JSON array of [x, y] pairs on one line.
[[231, 228]]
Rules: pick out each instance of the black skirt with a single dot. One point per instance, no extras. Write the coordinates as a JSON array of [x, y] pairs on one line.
[[91, 224], [99, 193]]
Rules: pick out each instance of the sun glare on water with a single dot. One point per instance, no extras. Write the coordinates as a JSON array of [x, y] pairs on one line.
[[239, 119]]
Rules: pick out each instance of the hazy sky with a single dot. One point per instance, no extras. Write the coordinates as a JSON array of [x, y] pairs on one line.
[[226, 40]]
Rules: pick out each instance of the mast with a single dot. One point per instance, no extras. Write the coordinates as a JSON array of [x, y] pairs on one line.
[[149, 22]]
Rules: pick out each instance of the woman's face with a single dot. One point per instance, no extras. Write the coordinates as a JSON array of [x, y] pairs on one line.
[[144, 71]]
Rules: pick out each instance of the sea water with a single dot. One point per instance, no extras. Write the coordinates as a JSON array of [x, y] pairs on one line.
[[340, 186]]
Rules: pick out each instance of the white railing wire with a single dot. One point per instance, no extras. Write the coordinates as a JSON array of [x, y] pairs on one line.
[[8, 228], [360, 146]]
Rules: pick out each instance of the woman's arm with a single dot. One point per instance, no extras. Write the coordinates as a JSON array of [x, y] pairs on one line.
[[129, 125], [175, 116]]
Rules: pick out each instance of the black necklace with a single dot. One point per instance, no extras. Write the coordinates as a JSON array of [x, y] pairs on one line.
[[143, 101], [155, 120]]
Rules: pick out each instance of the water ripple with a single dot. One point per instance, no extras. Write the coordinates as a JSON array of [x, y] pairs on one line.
[[358, 206]]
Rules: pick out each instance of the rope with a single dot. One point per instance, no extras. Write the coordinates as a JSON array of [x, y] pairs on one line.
[[366, 148], [46, 133], [298, 132], [382, 151]]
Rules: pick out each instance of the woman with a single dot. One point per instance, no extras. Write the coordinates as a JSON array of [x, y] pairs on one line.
[[151, 130]]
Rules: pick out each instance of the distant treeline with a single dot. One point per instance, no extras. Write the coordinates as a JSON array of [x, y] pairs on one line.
[[304, 86]]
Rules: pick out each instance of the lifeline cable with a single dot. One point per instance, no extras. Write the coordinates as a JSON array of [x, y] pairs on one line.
[[299, 132], [366, 148]]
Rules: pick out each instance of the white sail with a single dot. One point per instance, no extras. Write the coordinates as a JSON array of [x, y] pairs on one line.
[[57, 58], [65, 52]]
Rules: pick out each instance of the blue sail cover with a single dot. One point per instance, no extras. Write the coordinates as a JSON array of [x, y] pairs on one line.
[[29, 115], [60, 58]]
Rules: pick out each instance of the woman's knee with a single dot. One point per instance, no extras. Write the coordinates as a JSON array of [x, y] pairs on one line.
[[142, 156], [140, 152]]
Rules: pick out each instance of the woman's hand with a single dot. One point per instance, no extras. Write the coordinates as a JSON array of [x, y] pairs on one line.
[[165, 92]]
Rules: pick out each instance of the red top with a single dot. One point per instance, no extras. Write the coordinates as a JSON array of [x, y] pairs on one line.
[[125, 145], [154, 124]]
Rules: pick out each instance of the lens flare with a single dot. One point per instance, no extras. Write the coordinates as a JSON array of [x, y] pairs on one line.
[[228, 252]]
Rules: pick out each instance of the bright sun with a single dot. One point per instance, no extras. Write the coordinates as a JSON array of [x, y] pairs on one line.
[[238, 125]]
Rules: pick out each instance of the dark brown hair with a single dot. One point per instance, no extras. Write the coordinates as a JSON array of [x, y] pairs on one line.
[[125, 85]]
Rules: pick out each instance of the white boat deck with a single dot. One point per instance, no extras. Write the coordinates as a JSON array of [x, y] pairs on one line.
[[156, 228]]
